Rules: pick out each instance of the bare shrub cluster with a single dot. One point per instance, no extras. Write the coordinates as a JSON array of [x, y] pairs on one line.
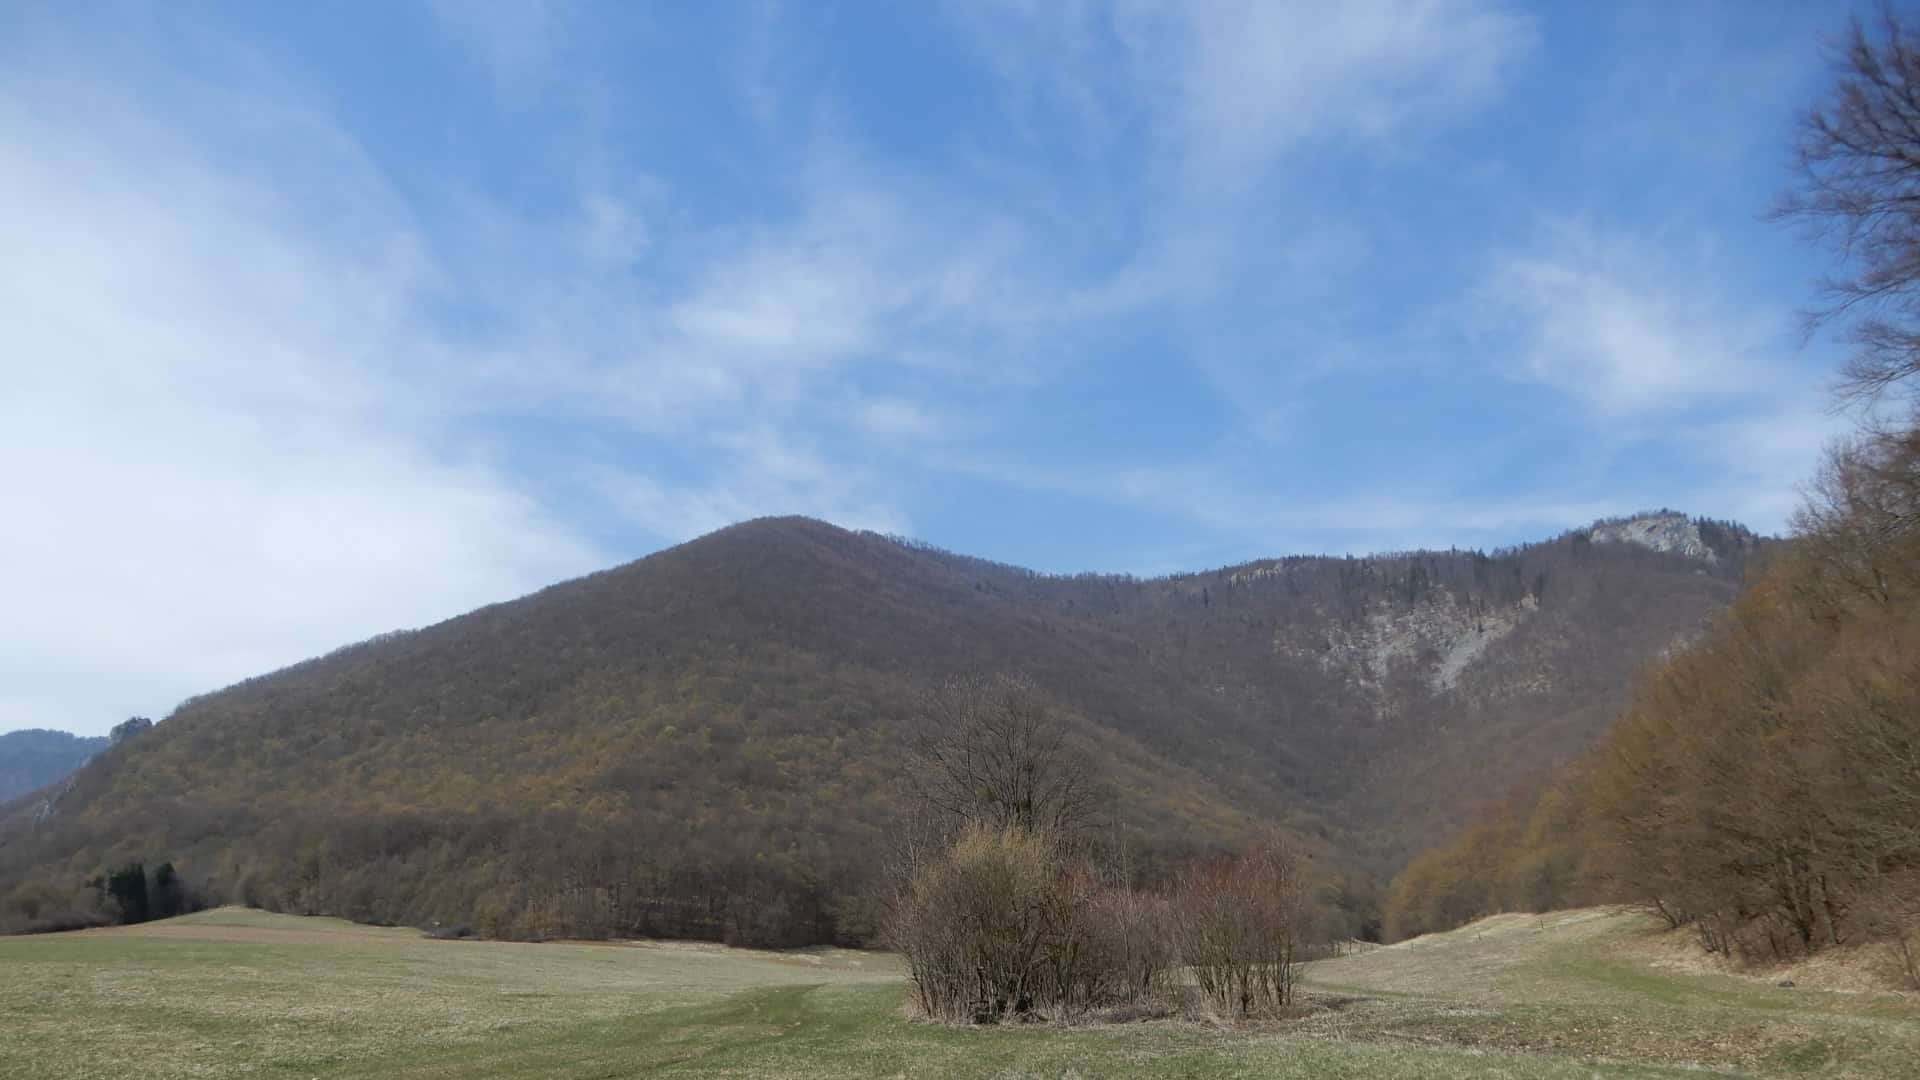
[[1001, 925], [1001, 909], [1238, 929], [1010, 923]]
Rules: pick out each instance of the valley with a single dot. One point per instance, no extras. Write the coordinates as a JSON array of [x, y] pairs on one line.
[[237, 993]]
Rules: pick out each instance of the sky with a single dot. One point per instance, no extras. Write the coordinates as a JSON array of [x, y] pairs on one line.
[[319, 321]]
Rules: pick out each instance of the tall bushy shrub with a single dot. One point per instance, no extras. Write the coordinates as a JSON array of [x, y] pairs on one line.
[[1007, 922], [985, 928], [1239, 928]]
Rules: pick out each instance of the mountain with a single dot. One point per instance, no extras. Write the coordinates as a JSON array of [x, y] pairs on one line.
[[705, 742], [34, 758]]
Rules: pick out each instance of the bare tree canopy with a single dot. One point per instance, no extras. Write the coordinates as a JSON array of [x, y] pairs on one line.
[[1860, 515], [991, 750], [1858, 160]]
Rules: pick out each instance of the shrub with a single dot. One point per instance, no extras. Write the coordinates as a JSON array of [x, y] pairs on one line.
[[1009, 922], [1005, 922], [1239, 928], [976, 925]]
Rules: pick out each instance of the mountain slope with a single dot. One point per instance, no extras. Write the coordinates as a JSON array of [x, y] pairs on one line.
[[705, 741], [37, 757]]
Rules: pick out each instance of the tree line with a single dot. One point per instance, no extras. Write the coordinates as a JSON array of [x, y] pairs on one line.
[[1763, 787]]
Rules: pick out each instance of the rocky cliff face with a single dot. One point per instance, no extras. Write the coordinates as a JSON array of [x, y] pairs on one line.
[[1666, 530], [1435, 640]]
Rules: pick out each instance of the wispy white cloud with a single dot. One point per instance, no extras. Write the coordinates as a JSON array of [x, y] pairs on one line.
[[1224, 88], [515, 39], [1218, 109], [206, 478], [1253, 517], [1636, 329], [759, 63], [1620, 323], [766, 473], [895, 419], [1249, 80], [1761, 460]]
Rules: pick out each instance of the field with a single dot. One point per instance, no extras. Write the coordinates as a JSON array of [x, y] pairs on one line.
[[232, 993]]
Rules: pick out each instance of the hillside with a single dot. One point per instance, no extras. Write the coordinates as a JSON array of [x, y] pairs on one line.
[[36, 757], [705, 742]]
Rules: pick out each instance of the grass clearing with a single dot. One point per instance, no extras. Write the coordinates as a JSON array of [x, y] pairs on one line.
[[233, 993]]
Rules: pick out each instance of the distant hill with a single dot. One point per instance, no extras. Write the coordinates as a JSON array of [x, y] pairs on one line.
[[34, 758], [705, 742]]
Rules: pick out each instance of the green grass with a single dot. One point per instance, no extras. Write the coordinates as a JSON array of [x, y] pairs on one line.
[[239, 993]]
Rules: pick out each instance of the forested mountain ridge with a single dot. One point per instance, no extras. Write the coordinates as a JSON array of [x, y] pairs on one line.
[[36, 757], [705, 741]]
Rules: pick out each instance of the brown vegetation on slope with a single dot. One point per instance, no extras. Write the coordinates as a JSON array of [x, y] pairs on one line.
[[1764, 787], [707, 742]]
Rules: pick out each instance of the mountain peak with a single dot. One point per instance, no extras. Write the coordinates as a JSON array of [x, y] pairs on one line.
[[1659, 530], [787, 527]]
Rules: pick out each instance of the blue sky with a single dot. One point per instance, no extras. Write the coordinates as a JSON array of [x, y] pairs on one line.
[[323, 320]]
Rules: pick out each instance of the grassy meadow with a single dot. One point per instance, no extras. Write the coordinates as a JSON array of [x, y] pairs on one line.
[[233, 993]]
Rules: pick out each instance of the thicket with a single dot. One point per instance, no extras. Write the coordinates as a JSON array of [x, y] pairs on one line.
[[1008, 923], [1765, 787], [126, 895], [1238, 926], [1004, 908]]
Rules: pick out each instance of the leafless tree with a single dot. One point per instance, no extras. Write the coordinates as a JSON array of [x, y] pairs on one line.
[[1861, 513], [1858, 190], [992, 751]]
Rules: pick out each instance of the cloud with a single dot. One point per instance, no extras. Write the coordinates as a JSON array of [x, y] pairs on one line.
[[765, 473], [1760, 461], [877, 268], [759, 63], [514, 39], [1616, 322], [897, 420], [1634, 328], [1229, 119], [208, 473], [1224, 88], [1247, 515], [1250, 80]]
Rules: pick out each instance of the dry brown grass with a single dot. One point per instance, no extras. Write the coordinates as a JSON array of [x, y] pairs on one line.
[[1872, 968], [245, 994]]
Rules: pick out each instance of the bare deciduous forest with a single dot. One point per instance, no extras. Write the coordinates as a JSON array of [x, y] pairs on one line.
[[709, 742], [1763, 787]]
